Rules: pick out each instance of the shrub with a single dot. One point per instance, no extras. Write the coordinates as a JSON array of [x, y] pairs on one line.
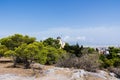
[[68, 61], [3, 49], [89, 62]]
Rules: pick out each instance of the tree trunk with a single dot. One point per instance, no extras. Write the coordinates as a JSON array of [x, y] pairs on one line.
[[14, 62], [26, 63]]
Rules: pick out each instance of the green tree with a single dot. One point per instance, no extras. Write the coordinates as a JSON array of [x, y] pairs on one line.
[[74, 49], [11, 53], [91, 50], [51, 42], [49, 55], [52, 55], [113, 59], [27, 53], [24, 49], [16, 40], [3, 49]]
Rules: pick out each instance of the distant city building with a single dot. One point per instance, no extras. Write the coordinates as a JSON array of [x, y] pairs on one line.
[[119, 54], [103, 50], [106, 52]]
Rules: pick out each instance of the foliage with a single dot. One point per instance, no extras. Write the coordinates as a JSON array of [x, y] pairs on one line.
[[49, 55], [89, 62], [75, 49], [3, 49], [91, 50], [111, 60], [69, 61], [42, 56], [27, 52], [52, 42], [16, 40], [10, 53], [24, 49], [53, 55]]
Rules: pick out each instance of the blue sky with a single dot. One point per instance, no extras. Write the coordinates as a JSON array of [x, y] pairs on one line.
[[87, 22]]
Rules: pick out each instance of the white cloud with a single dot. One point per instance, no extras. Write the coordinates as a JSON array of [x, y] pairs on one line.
[[81, 38], [97, 35], [66, 38], [88, 36]]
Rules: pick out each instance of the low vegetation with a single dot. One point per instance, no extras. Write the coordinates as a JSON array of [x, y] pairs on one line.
[[89, 62], [24, 49]]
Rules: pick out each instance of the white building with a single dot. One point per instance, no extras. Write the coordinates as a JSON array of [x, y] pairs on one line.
[[61, 42]]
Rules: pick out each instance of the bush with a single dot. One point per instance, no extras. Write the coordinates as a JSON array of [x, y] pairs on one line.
[[111, 60], [89, 62], [68, 61], [3, 49]]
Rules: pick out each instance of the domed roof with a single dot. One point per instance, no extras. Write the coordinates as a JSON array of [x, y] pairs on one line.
[[58, 37]]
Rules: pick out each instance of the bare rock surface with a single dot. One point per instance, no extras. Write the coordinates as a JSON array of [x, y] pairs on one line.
[[52, 73]]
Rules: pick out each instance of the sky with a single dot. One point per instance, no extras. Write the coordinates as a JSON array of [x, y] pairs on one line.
[[87, 22]]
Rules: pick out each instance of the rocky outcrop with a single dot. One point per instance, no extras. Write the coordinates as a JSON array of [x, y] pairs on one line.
[[56, 73]]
